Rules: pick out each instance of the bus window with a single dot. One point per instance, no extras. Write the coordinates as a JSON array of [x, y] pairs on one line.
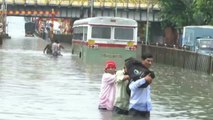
[[101, 32], [124, 33], [78, 33]]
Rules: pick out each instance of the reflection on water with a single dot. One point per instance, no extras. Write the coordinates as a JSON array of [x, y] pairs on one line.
[[183, 94], [34, 86]]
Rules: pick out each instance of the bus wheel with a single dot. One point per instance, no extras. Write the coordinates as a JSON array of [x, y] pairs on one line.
[[80, 55]]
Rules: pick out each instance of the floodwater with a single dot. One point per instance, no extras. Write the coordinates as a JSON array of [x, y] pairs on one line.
[[34, 86]]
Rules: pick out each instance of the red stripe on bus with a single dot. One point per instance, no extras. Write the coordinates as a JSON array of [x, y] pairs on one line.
[[102, 44]]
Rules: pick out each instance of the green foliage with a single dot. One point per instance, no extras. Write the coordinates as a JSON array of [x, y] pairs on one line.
[[203, 11], [179, 13]]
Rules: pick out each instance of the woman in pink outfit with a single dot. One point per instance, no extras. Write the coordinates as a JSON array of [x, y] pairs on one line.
[[107, 94]]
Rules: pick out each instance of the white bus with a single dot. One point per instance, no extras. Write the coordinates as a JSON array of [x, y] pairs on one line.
[[109, 37]]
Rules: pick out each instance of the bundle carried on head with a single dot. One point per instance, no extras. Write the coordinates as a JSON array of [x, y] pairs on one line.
[[136, 70]]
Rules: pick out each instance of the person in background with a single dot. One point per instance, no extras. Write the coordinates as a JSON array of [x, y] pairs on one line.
[[107, 92], [121, 98], [140, 99], [56, 48], [48, 49]]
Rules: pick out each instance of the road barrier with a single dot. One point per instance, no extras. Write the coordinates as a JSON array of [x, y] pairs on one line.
[[180, 58]]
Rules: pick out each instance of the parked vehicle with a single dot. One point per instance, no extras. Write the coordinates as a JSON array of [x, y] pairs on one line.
[[105, 37], [192, 33], [204, 46], [29, 29]]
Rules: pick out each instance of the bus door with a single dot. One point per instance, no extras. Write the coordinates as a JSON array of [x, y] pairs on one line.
[[84, 35], [83, 43], [79, 39]]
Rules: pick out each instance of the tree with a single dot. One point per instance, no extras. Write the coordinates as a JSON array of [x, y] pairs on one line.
[[179, 13], [203, 12], [176, 12]]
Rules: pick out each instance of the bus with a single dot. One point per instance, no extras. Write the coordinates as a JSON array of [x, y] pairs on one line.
[[104, 37]]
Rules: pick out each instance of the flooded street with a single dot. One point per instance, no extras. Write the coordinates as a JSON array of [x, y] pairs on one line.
[[34, 86]]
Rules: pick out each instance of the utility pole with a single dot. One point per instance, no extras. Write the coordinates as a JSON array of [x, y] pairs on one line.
[[91, 7], [116, 8], [4, 17], [147, 22], [52, 27]]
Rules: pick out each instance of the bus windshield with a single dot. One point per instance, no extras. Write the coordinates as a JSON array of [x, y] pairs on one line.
[[123, 33], [206, 44], [120, 33], [101, 32]]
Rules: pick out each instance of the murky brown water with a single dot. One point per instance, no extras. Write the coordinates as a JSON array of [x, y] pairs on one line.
[[34, 86]]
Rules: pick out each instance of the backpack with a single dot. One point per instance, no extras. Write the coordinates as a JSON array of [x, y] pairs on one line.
[[136, 70]]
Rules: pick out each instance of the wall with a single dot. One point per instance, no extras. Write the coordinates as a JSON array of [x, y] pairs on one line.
[[180, 58]]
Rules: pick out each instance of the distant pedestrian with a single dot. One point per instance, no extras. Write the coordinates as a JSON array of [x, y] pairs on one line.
[[107, 92], [48, 49]]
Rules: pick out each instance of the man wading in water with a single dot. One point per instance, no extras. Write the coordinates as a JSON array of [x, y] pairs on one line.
[[53, 48], [56, 48]]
